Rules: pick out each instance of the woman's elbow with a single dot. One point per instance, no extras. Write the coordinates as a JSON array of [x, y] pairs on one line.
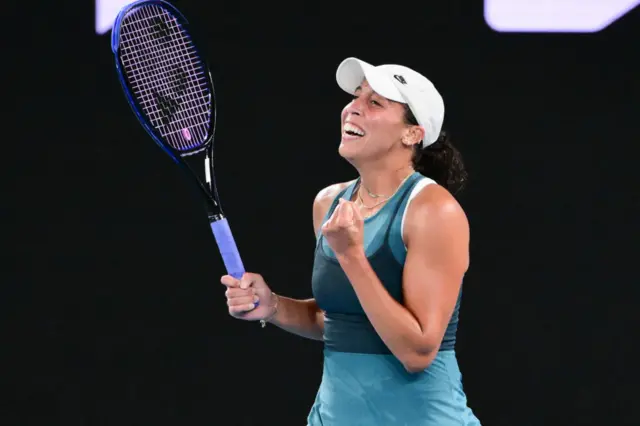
[[421, 358], [418, 362]]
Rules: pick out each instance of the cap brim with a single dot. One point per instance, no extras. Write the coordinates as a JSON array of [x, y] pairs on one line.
[[352, 71]]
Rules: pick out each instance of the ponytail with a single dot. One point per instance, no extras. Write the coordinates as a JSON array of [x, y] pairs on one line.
[[441, 161]]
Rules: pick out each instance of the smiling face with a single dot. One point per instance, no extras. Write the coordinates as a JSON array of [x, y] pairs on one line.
[[374, 127]]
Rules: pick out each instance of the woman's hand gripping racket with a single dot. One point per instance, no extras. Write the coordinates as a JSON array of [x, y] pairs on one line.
[[170, 89]]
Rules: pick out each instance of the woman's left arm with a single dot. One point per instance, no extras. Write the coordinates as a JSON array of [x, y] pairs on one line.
[[436, 232]]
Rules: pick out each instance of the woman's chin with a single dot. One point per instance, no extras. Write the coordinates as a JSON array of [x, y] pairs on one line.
[[347, 151], [350, 146]]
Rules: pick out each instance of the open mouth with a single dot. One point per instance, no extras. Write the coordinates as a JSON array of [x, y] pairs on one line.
[[353, 131]]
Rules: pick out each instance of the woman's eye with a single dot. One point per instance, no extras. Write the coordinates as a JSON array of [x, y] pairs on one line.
[[373, 102]]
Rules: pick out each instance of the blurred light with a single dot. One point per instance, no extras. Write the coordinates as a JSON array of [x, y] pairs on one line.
[[574, 16], [106, 12]]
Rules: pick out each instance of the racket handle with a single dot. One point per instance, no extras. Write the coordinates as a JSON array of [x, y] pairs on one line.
[[227, 247]]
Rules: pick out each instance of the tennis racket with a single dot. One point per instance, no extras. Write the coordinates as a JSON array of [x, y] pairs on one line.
[[170, 89]]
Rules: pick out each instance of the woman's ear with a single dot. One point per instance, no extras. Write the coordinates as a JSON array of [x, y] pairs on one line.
[[412, 135]]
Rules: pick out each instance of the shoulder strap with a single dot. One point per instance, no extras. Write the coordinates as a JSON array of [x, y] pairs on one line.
[[409, 185], [349, 188]]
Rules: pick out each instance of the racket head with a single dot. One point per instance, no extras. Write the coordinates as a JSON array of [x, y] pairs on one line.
[[165, 79]]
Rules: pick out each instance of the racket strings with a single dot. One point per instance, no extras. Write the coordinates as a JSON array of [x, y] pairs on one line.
[[167, 104], [166, 63], [167, 77]]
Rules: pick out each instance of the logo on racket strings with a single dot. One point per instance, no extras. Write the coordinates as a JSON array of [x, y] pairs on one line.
[[167, 106], [160, 29], [170, 104]]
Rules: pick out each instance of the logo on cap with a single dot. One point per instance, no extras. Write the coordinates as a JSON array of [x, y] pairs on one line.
[[400, 79]]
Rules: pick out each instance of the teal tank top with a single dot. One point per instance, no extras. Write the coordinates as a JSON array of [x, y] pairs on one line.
[[346, 326]]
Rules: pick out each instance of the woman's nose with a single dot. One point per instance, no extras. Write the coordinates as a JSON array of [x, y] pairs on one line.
[[355, 107]]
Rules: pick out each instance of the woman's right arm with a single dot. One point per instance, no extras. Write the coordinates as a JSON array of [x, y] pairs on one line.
[[300, 317]]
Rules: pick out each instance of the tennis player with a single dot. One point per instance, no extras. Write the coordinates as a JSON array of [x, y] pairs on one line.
[[392, 250]]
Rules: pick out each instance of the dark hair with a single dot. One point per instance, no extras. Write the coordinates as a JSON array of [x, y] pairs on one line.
[[441, 161]]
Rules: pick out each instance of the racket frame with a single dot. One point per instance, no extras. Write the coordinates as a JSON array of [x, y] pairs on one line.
[[214, 208], [216, 216]]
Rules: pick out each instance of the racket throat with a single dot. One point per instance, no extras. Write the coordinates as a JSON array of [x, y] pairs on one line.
[[214, 211], [216, 217]]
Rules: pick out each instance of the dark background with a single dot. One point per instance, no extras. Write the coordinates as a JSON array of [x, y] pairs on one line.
[[112, 310]]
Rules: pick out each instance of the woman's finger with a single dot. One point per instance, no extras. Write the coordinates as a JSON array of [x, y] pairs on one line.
[[345, 215], [239, 309], [230, 281], [336, 214], [357, 214], [244, 300], [239, 292]]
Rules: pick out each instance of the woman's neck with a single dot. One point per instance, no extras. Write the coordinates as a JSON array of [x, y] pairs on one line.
[[381, 182]]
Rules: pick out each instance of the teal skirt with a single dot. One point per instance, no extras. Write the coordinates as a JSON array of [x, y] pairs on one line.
[[376, 390]]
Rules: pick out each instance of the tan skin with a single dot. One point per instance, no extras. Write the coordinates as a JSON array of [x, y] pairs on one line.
[[436, 234]]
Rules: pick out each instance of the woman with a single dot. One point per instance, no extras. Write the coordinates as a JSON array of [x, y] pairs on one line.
[[392, 250]]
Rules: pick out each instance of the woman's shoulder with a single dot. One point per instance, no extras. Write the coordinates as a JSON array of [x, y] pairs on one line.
[[329, 193], [324, 198]]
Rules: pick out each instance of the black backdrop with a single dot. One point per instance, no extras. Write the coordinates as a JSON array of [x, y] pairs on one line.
[[112, 308]]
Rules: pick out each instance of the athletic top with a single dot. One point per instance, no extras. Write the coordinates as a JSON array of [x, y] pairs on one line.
[[346, 326]]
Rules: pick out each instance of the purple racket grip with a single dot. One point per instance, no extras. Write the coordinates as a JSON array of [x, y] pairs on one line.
[[228, 248]]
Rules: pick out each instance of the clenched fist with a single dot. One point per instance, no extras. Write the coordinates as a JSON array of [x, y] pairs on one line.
[[249, 298], [345, 228]]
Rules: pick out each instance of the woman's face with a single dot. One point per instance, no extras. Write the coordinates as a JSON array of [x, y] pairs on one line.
[[372, 126]]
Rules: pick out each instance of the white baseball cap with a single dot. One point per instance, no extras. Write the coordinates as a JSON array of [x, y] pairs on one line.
[[401, 84]]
